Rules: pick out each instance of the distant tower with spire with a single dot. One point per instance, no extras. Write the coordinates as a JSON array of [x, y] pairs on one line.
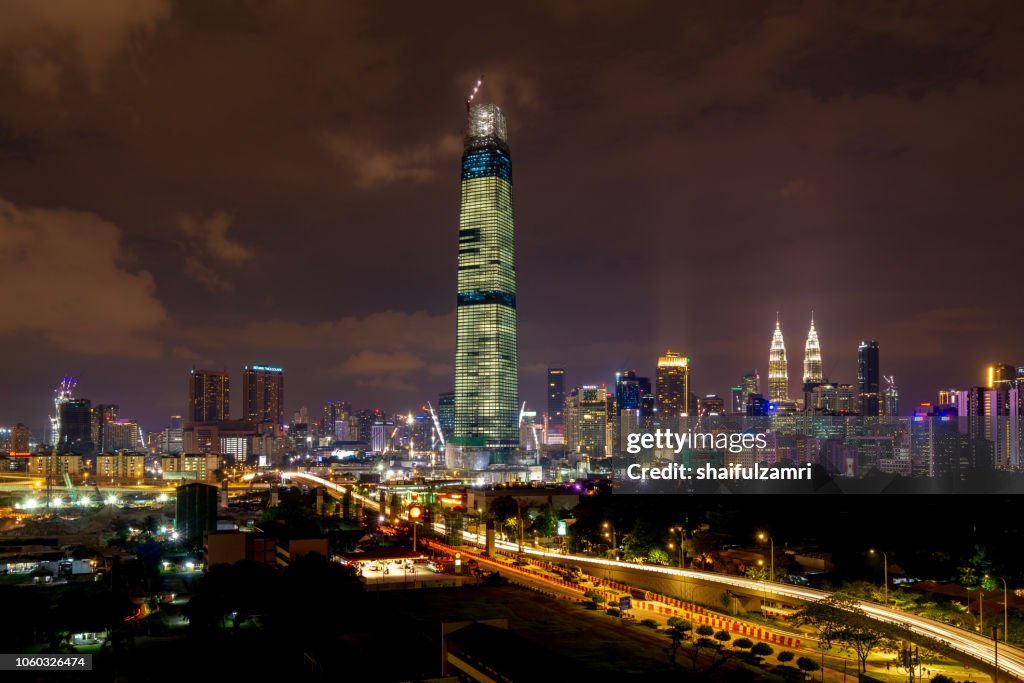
[[812, 357], [778, 368]]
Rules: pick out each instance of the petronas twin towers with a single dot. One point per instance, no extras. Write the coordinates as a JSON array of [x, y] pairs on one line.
[[778, 366]]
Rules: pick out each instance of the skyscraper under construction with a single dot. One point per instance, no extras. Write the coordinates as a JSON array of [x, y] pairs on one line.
[[486, 362]]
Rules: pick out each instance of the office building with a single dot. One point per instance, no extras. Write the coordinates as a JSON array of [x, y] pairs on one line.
[[121, 435], [21, 439], [263, 394], [586, 412], [446, 413], [868, 378], [556, 406], [209, 396], [673, 384]]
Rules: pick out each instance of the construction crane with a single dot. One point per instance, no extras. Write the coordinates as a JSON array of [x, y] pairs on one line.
[[70, 488], [476, 89], [64, 392], [437, 423]]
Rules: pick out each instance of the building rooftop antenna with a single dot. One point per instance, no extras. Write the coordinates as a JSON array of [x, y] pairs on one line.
[[476, 89]]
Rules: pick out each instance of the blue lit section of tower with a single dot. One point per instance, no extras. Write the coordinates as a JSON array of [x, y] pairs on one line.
[[486, 355]]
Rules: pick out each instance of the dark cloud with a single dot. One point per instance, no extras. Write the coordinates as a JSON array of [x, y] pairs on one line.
[[284, 184], [63, 281]]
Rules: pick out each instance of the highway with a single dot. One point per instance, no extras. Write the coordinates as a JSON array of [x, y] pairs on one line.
[[1011, 659], [981, 648]]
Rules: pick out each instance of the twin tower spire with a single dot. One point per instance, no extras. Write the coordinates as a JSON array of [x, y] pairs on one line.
[[778, 367]]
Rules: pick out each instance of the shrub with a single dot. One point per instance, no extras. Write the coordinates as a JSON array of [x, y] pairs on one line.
[[786, 656], [705, 630], [762, 650], [723, 636], [807, 664], [744, 643]]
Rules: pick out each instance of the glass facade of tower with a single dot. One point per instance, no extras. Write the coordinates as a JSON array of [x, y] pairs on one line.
[[486, 355], [868, 377]]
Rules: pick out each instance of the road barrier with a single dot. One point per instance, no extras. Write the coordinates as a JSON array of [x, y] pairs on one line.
[[664, 606]]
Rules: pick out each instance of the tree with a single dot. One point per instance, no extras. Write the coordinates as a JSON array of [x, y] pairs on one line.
[[761, 650], [807, 665], [677, 633], [757, 573], [744, 643], [786, 656], [705, 630], [828, 616], [723, 636], [976, 572], [839, 618], [657, 556]]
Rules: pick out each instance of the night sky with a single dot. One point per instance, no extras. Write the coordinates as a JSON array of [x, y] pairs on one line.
[[213, 184]]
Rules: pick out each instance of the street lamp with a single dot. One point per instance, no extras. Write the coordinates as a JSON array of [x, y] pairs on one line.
[[612, 535], [885, 576], [682, 540], [771, 565], [1006, 607]]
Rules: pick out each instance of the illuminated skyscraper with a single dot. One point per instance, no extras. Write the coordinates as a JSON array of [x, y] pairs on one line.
[[486, 362], [891, 397], [673, 384], [209, 396], [556, 407], [812, 357], [868, 384], [586, 411], [1001, 376], [263, 392], [778, 369]]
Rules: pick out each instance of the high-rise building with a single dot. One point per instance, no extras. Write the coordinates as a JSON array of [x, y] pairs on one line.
[[812, 357], [334, 422], [446, 413], [486, 355], [586, 411], [1001, 376], [868, 376], [209, 396], [263, 392], [120, 435], [673, 384], [75, 417], [173, 441], [633, 393], [832, 399], [195, 510], [556, 407], [750, 384], [20, 439], [100, 415], [712, 404], [890, 397], [778, 369]]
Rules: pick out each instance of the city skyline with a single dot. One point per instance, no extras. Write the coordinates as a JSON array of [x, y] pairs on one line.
[[335, 261]]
